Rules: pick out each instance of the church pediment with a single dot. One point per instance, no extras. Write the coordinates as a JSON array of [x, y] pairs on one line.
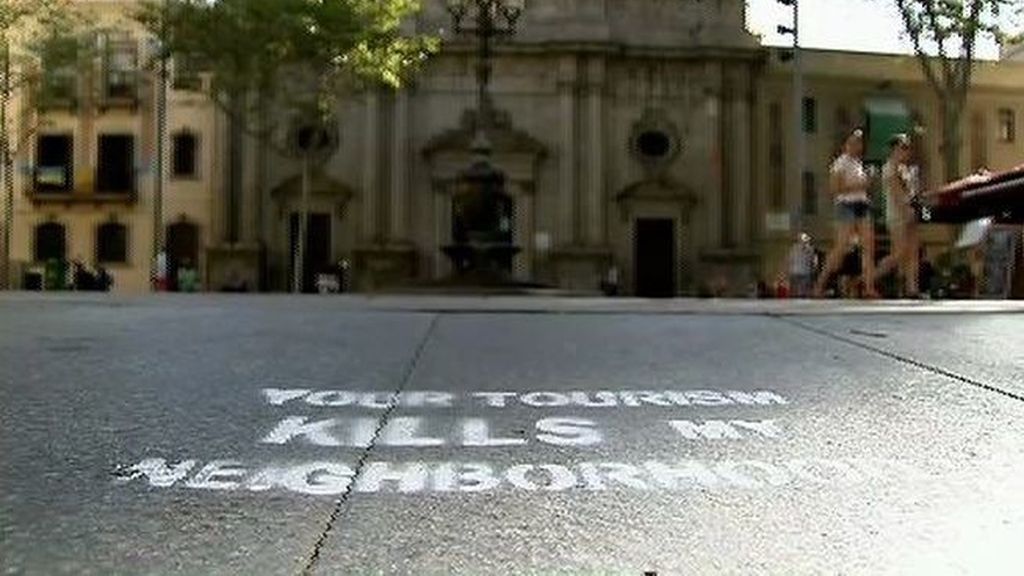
[[321, 185], [659, 190], [504, 138]]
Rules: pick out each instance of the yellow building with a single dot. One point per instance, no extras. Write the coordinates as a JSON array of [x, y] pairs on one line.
[[85, 164]]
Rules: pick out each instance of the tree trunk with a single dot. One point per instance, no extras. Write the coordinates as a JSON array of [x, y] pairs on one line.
[[236, 120], [952, 138], [7, 163]]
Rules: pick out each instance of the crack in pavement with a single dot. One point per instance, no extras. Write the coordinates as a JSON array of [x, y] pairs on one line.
[[899, 357], [342, 502]]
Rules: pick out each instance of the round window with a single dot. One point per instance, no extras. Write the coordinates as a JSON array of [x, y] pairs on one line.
[[653, 144]]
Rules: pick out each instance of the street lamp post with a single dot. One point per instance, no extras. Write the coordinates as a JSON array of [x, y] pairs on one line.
[[482, 249], [7, 162], [488, 21], [798, 101], [161, 135]]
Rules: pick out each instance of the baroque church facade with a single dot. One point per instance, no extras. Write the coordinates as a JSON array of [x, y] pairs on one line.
[[625, 130]]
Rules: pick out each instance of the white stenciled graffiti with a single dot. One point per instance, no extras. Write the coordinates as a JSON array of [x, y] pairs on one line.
[[328, 478], [534, 399], [417, 432], [726, 429]]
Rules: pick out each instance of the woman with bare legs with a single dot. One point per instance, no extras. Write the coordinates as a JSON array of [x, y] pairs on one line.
[[849, 183], [900, 183]]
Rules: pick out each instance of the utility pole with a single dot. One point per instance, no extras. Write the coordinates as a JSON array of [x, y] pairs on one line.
[[8, 167], [798, 142], [161, 130], [299, 269]]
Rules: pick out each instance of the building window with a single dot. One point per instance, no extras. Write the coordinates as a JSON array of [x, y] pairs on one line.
[[54, 163], [810, 115], [810, 194], [186, 74], [115, 166], [59, 81], [50, 242], [120, 66], [776, 168], [184, 147], [112, 243], [843, 125], [1007, 125]]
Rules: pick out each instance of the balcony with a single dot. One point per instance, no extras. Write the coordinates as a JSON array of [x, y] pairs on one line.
[[54, 185], [79, 197]]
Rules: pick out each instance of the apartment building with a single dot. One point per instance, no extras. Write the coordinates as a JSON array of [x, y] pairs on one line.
[[85, 162]]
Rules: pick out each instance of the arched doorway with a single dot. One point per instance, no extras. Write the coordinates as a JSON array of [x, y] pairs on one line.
[[182, 249]]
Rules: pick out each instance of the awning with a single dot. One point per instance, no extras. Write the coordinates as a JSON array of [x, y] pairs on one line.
[[886, 117], [990, 195]]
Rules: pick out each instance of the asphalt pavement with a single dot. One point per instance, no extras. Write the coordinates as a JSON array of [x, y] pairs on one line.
[[226, 434]]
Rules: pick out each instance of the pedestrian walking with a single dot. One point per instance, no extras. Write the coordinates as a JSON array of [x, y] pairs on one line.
[[900, 183], [802, 265], [849, 183]]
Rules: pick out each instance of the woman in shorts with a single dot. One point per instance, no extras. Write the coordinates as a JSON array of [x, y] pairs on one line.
[[900, 183], [849, 183]]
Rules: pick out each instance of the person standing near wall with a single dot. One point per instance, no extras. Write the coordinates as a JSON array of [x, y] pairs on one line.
[[899, 180], [801, 264], [849, 183], [161, 271]]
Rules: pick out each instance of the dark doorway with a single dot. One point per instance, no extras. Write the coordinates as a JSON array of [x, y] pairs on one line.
[[182, 249], [655, 257], [50, 242], [115, 165], [318, 249]]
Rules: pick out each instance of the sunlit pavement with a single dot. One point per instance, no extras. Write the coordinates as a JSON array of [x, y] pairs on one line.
[[436, 435]]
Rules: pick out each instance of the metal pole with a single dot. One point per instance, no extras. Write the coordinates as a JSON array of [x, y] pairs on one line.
[[161, 130], [799, 141], [8, 169], [485, 27], [300, 247]]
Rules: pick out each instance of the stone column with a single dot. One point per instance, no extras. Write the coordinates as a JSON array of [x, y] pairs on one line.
[[727, 159], [524, 230], [249, 197], [218, 144], [713, 110], [743, 158], [567, 193], [442, 227], [595, 174], [371, 166], [400, 169]]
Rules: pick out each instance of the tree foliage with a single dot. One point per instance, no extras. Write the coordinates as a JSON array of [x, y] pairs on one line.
[[299, 53], [33, 31], [945, 35]]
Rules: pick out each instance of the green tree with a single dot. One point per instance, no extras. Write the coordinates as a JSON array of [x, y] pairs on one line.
[[272, 60], [945, 35], [32, 32]]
